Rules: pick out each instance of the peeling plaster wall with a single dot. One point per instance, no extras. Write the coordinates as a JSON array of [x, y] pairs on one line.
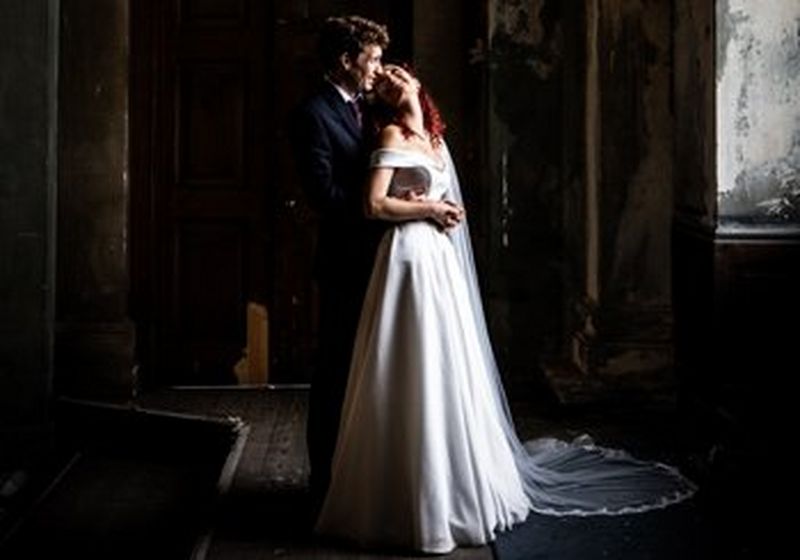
[[541, 236], [620, 315], [525, 280], [758, 80], [636, 153], [694, 90]]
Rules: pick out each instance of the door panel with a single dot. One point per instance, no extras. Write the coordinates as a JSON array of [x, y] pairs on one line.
[[210, 130], [217, 216], [202, 221]]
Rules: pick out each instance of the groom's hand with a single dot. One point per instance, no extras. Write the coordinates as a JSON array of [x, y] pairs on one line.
[[415, 194]]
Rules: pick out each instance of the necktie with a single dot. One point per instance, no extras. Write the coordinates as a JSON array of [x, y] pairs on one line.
[[356, 109]]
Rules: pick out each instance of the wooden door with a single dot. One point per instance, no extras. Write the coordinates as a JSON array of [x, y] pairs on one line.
[[200, 156], [217, 215]]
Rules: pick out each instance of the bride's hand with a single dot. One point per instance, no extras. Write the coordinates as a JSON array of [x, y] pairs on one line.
[[447, 214]]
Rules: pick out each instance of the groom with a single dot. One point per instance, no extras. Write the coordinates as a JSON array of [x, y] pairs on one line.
[[329, 145]]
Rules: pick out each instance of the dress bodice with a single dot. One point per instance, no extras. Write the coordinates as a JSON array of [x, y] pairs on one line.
[[415, 171]]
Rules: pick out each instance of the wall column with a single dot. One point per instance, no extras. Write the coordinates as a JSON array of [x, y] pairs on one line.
[[95, 337], [28, 120], [618, 312]]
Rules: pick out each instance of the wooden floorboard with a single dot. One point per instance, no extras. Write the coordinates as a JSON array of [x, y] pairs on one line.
[[265, 514]]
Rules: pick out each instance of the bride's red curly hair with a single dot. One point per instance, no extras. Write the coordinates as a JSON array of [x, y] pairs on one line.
[[431, 117]]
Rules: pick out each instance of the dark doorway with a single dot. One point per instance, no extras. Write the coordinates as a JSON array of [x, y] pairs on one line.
[[201, 206], [217, 217]]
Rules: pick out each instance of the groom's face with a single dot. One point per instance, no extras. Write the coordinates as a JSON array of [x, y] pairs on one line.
[[363, 69]]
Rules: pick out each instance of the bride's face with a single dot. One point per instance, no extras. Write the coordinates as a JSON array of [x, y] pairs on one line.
[[395, 86]]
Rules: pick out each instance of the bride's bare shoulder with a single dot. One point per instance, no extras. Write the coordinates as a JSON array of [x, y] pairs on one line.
[[391, 136]]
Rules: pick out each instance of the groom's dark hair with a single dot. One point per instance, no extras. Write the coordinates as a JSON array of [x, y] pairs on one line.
[[349, 34]]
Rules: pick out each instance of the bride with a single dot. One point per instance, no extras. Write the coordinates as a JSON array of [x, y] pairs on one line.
[[427, 457]]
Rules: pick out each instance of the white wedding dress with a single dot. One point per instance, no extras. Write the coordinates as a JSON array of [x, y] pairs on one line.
[[427, 458]]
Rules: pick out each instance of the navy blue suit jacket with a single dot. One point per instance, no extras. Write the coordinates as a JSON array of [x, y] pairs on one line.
[[333, 161], [333, 158]]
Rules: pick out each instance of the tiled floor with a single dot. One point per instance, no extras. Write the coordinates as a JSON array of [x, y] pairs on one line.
[[263, 511]]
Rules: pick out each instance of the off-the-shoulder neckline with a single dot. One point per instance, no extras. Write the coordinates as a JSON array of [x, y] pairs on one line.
[[438, 166]]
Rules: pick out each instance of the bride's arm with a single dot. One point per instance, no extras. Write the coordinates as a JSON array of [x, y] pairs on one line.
[[379, 205]]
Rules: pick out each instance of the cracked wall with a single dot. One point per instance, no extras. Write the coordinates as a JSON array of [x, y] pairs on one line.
[[526, 198], [758, 117]]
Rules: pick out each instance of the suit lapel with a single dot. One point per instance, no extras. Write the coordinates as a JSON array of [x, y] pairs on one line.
[[342, 112]]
